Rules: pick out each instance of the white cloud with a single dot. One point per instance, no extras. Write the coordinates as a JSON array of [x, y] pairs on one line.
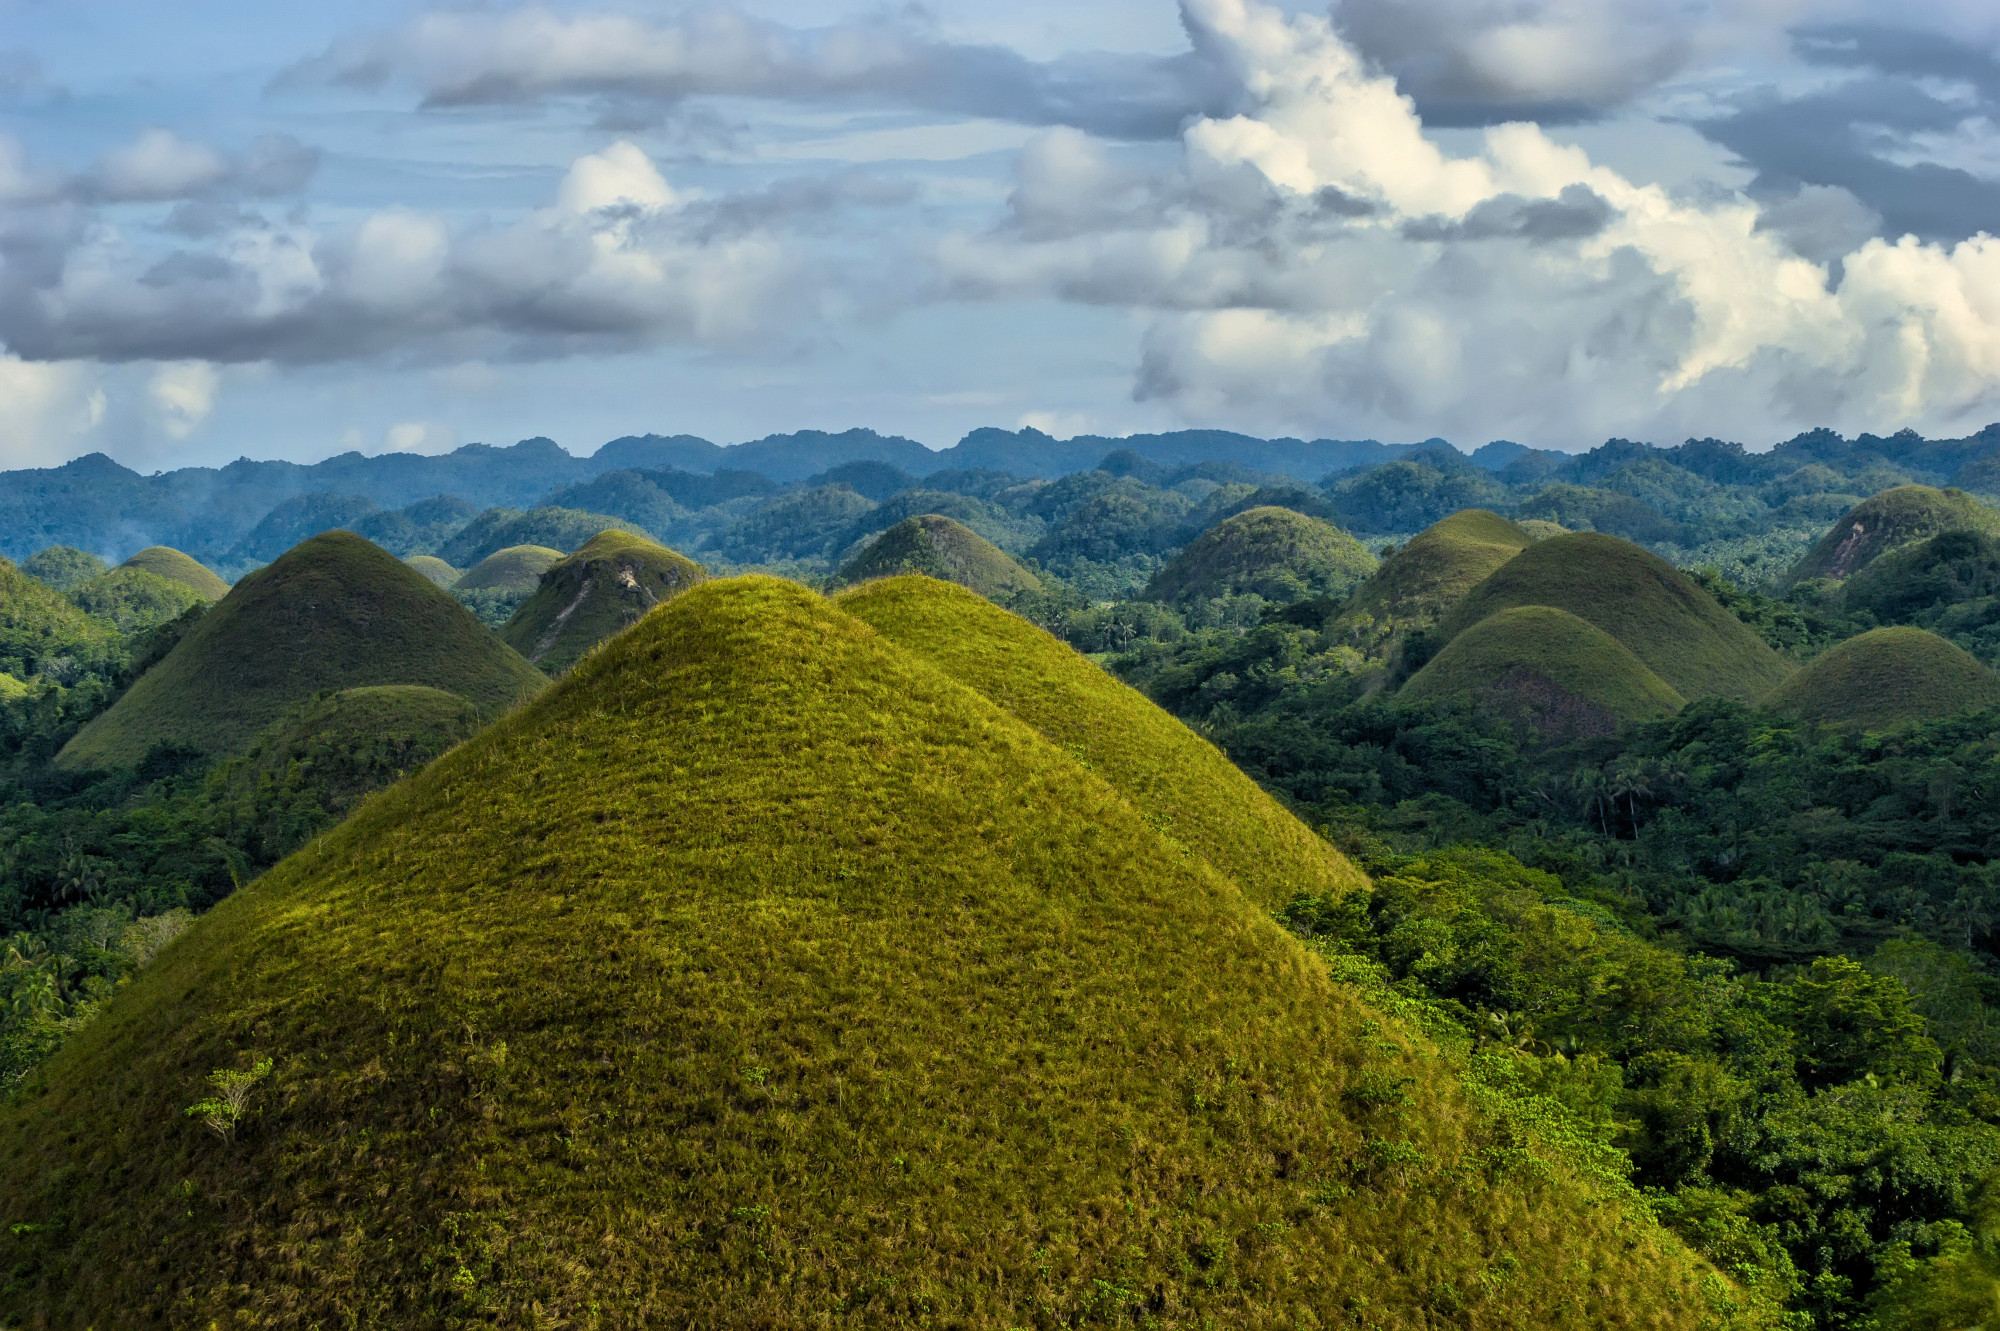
[[419, 437], [47, 412], [182, 396], [160, 164], [1317, 263]]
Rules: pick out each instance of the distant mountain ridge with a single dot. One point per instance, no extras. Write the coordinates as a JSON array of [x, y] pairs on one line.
[[94, 503]]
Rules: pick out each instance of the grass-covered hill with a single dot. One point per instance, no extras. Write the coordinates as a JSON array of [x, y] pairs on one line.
[[39, 626], [601, 590], [440, 573], [1275, 553], [166, 562], [502, 528], [1887, 677], [938, 547], [133, 600], [1189, 790], [760, 972], [518, 568], [333, 612], [1890, 519], [1678, 630], [1434, 570], [1560, 673]]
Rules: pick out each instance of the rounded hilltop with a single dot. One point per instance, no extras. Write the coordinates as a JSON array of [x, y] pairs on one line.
[[440, 573], [517, 569], [1275, 553], [166, 562], [938, 547], [1435, 569], [1549, 668], [1884, 522], [334, 612], [708, 979], [1662, 616], [1885, 678], [596, 593]]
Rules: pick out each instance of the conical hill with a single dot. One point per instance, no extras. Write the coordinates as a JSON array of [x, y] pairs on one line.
[[333, 612], [1561, 674], [1275, 553], [440, 573], [166, 562], [1885, 521], [596, 593], [1437, 567], [938, 547], [1681, 633], [518, 568], [1182, 783], [761, 975], [1886, 678]]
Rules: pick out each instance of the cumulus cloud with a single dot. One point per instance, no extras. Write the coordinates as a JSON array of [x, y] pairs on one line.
[[487, 57], [613, 261], [46, 411], [1521, 290], [182, 396]]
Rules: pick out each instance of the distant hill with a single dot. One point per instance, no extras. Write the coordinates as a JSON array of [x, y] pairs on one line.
[[334, 612], [518, 568], [1669, 623], [1270, 552], [1887, 677], [1435, 569], [1559, 673], [594, 594], [63, 568], [167, 562], [39, 627], [503, 528], [133, 600], [939, 548], [762, 974], [1179, 780], [1888, 520], [439, 572], [295, 520]]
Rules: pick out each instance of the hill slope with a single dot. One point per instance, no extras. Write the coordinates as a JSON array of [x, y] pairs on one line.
[[599, 591], [518, 568], [1887, 677], [1671, 624], [1189, 790], [1437, 567], [333, 612], [38, 625], [1885, 521], [440, 573], [132, 600], [1561, 673], [939, 547], [1275, 553], [167, 562], [761, 968]]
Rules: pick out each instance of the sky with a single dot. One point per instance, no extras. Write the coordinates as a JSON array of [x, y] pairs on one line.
[[230, 229]]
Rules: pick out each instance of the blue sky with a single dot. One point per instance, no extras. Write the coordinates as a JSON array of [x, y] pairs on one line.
[[229, 229]]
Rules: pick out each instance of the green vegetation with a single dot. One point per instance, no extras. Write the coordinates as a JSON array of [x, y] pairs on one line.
[[1270, 552], [132, 600], [167, 562], [518, 568], [500, 529], [1666, 620], [595, 594], [1888, 677], [1549, 668], [62, 567], [1949, 584], [938, 547], [1186, 790], [1430, 574], [334, 612], [1888, 520], [753, 949], [440, 573], [42, 633]]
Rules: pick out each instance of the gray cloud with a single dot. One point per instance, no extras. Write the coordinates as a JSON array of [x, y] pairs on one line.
[[492, 58], [1577, 213], [1852, 135]]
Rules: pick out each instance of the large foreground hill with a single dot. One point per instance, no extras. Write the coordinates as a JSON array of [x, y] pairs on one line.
[[332, 613], [762, 975]]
